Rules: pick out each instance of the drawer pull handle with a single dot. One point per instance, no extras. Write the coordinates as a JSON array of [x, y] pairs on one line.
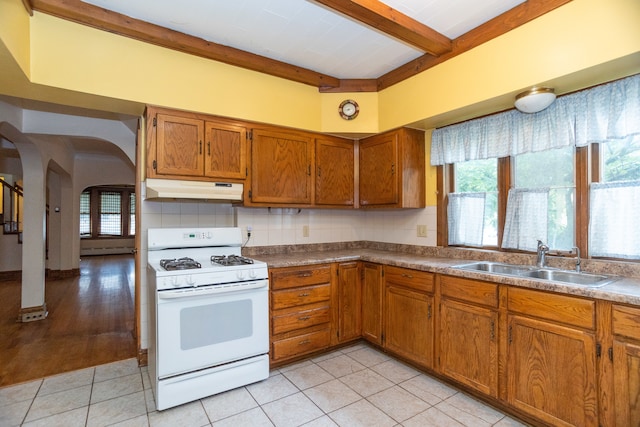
[[409, 276], [304, 318], [304, 275], [304, 294], [304, 342]]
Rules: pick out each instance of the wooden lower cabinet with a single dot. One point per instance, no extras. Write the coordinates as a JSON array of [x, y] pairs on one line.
[[626, 365], [372, 303], [555, 359], [408, 312], [349, 302], [551, 360], [468, 333], [301, 311]]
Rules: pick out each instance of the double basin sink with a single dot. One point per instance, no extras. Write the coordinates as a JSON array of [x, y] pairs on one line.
[[549, 274]]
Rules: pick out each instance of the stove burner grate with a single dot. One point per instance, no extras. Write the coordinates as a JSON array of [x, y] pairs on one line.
[[230, 260], [179, 264]]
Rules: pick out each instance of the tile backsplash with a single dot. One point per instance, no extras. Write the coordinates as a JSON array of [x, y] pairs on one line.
[[280, 226]]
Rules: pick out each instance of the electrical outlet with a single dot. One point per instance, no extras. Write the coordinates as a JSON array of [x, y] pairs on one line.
[[422, 230], [305, 231]]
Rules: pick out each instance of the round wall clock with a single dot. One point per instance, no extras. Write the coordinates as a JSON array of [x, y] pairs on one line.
[[348, 109]]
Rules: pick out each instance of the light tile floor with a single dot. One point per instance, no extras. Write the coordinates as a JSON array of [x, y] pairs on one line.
[[354, 386]]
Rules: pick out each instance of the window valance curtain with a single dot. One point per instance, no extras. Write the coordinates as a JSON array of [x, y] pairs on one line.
[[606, 112]]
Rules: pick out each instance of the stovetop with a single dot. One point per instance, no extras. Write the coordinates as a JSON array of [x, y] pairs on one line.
[[198, 257]]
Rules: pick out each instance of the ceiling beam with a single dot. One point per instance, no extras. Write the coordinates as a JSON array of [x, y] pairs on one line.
[[103, 19], [393, 23], [502, 24], [27, 5]]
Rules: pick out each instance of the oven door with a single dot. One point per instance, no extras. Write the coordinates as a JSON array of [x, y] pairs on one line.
[[211, 328]]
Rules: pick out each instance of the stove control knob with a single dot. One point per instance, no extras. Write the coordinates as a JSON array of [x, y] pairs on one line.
[[252, 274], [240, 274], [173, 281], [189, 281]]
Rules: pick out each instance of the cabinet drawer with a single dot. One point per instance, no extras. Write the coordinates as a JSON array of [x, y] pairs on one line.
[[415, 279], [300, 296], [561, 308], [302, 344], [300, 320], [626, 321], [291, 278], [468, 290]]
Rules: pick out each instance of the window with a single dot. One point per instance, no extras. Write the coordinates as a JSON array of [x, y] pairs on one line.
[[107, 212], [132, 214], [473, 208], [541, 205], [615, 202], [85, 214]]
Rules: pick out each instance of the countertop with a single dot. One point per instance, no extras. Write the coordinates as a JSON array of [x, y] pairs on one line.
[[624, 290]]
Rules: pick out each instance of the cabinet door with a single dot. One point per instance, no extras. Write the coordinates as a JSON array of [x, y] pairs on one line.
[[179, 146], [409, 324], [349, 302], [281, 167], [334, 172], [379, 170], [372, 303], [468, 338], [225, 151], [552, 372], [626, 367]]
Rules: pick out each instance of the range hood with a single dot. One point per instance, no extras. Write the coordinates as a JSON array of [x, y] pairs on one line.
[[177, 189]]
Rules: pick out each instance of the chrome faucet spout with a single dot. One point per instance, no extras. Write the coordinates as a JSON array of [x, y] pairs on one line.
[[543, 250], [578, 261]]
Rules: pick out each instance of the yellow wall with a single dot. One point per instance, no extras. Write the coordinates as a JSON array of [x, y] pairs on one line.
[[575, 37], [582, 43], [580, 35], [14, 32]]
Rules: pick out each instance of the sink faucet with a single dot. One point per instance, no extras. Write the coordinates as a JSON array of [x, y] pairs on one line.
[[578, 262], [542, 251]]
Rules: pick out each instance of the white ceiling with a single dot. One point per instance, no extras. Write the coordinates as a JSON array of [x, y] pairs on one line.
[[306, 34]]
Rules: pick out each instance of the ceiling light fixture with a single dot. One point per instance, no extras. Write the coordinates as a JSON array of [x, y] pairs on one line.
[[535, 99]]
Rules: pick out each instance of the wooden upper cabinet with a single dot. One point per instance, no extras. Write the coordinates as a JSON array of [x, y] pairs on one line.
[[281, 167], [179, 146], [335, 172], [225, 150], [183, 145], [392, 170]]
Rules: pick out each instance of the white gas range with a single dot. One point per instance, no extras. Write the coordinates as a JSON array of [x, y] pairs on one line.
[[208, 314]]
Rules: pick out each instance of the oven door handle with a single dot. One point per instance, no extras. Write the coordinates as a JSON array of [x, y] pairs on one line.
[[211, 290]]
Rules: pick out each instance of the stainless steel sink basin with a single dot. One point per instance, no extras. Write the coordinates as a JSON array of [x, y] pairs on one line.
[[552, 275], [573, 277], [496, 268]]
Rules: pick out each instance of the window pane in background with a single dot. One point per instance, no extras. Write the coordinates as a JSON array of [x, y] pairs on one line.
[[110, 213], [85, 214], [620, 160], [553, 169], [132, 214], [477, 176]]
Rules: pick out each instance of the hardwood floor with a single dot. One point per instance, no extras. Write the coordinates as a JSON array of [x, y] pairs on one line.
[[90, 322]]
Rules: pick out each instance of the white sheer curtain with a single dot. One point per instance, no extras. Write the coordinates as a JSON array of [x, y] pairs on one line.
[[527, 218], [614, 219], [605, 112], [465, 213]]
